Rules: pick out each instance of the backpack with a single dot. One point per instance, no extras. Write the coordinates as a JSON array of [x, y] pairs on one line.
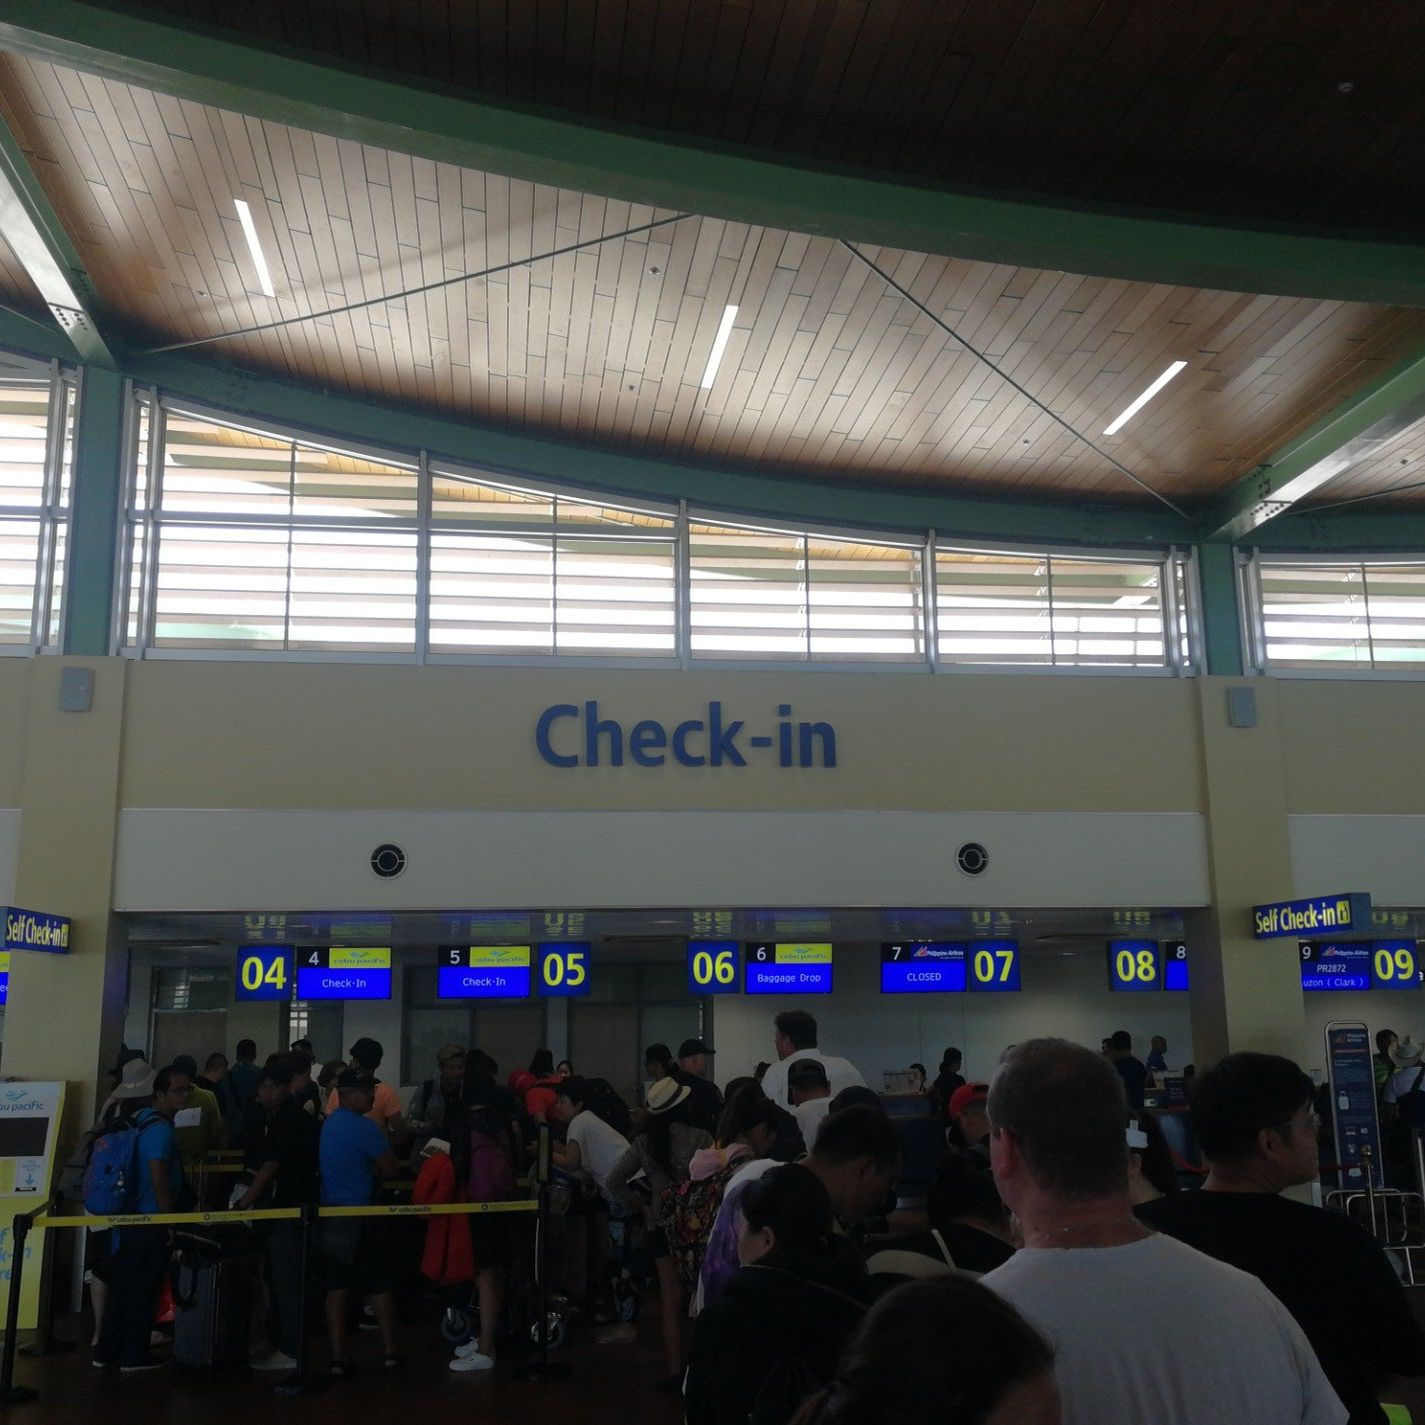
[[111, 1181], [688, 1222], [601, 1099], [491, 1177], [76, 1168]]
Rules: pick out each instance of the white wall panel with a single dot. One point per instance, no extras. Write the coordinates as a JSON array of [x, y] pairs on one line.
[[184, 859], [1384, 855]]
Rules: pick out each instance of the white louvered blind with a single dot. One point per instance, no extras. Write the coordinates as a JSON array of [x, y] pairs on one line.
[[761, 594], [34, 508], [1049, 610], [1359, 615]]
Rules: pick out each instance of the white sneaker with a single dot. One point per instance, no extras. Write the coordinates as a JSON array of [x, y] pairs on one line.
[[271, 1361], [475, 1361], [470, 1348]]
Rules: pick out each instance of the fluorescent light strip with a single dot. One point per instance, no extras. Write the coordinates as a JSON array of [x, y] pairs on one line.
[[719, 346], [249, 231], [1127, 415]]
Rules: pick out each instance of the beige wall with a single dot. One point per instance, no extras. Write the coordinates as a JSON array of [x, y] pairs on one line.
[[265, 735], [1352, 747], [275, 737], [65, 1012], [15, 676]]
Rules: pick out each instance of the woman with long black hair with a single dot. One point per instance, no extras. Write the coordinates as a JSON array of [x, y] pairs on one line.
[[776, 1333], [943, 1352], [662, 1153]]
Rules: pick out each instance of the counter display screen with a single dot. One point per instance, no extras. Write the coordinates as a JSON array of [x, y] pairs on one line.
[[713, 967], [1175, 965], [564, 969], [1335, 966], [1360, 965], [1395, 965], [994, 966], [264, 972], [344, 972], [484, 971], [923, 967], [787, 968], [1134, 965]]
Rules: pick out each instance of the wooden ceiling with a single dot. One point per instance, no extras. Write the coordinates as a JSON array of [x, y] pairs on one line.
[[1261, 109], [829, 374]]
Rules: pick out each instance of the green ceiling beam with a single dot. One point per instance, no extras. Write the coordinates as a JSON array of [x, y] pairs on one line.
[[271, 81], [774, 498], [33, 336], [36, 236], [1221, 610], [1350, 433], [1356, 530], [94, 517]]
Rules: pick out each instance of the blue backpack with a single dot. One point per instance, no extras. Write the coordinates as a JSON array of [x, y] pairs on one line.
[[111, 1181]]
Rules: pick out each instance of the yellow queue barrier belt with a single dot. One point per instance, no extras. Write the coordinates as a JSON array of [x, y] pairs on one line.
[[172, 1219], [429, 1209], [284, 1214]]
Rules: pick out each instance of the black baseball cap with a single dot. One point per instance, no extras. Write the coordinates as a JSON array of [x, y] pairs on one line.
[[354, 1079], [689, 1047]]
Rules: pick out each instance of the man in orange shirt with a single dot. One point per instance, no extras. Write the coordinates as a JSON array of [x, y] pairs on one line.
[[386, 1112]]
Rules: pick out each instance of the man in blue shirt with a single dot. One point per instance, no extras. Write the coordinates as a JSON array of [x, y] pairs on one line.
[[355, 1256], [1130, 1070], [141, 1253]]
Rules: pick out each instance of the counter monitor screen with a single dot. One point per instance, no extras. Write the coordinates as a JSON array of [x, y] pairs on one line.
[[994, 966], [787, 968], [1395, 965], [1335, 965], [1360, 965], [264, 972], [1175, 965], [564, 969], [713, 967], [923, 967], [484, 971], [1134, 965], [344, 972]]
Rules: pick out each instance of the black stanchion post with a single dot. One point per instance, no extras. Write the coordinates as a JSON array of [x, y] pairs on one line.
[[542, 1368], [10, 1393], [48, 1343], [299, 1382]]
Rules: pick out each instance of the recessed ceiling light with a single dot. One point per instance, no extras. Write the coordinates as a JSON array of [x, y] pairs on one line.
[[249, 231], [724, 330], [1129, 412]]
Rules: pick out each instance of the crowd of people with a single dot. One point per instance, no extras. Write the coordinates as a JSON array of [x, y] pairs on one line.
[[1057, 1269]]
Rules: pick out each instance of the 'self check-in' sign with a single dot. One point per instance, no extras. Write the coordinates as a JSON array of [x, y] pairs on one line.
[[1314, 916], [34, 930]]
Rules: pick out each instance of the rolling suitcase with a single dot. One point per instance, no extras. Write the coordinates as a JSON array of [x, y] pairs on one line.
[[212, 1290]]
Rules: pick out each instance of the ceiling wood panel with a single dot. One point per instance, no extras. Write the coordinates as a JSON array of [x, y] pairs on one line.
[[829, 374]]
